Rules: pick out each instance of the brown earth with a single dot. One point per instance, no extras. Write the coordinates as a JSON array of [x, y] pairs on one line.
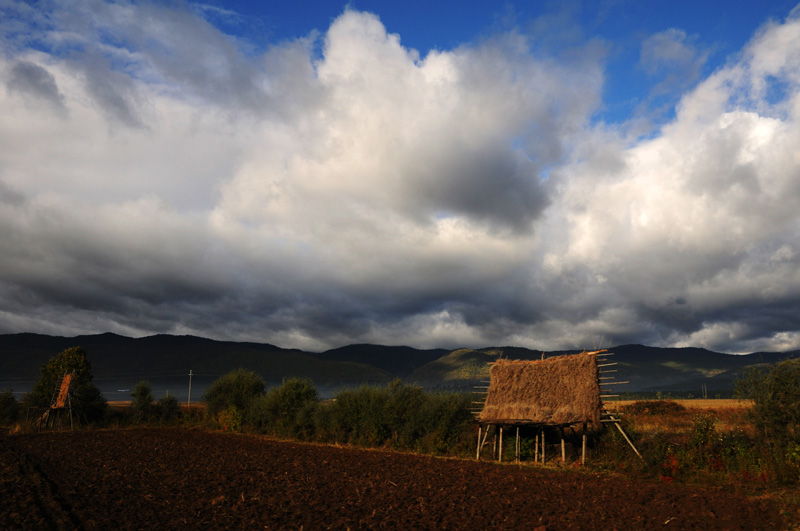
[[162, 478]]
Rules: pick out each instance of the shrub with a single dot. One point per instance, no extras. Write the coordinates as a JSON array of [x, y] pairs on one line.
[[448, 420], [9, 408], [235, 389], [88, 401], [403, 408], [168, 408], [142, 400], [404, 417], [358, 417], [703, 446], [654, 407], [775, 392], [230, 419], [287, 410]]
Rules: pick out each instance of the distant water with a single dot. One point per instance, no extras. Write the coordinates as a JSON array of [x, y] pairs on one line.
[[115, 390], [120, 389]]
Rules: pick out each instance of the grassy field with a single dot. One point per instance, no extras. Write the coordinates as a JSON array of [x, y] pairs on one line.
[[695, 403]]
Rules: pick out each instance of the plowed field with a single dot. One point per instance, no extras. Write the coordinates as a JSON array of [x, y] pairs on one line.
[[191, 479]]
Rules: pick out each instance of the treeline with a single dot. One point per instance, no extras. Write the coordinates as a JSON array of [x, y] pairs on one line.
[[397, 415]]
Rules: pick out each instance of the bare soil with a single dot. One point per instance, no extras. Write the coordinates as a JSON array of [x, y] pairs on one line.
[[171, 478]]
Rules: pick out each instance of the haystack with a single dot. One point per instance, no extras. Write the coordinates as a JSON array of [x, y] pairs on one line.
[[556, 391]]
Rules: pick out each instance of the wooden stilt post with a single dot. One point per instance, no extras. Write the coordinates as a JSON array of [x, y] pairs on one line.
[[500, 446], [543, 445], [478, 451], [563, 447], [583, 445], [536, 447], [517, 447]]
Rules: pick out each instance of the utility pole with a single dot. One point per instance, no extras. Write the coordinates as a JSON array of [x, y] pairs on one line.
[[189, 402]]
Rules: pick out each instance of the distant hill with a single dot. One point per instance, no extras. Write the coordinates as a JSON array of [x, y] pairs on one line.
[[685, 369], [122, 361], [647, 369], [118, 358], [397, 361]]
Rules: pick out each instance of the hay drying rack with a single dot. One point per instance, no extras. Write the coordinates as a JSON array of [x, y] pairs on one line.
[[604, 378], [60, 404]]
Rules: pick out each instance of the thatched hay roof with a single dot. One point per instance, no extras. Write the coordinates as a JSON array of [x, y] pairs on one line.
[[560, 390]]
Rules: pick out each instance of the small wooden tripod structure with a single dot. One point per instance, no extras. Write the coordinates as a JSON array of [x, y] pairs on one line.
[[61, 402], [555, 394]]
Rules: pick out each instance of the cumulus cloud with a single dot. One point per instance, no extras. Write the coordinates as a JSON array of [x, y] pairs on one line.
[[340, 188], [686, 231]]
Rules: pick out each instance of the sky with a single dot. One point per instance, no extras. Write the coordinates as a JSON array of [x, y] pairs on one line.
[[314, 174]]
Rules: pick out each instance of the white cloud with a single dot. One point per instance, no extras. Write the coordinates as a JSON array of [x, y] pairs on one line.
[[164, 181], [686, 229]]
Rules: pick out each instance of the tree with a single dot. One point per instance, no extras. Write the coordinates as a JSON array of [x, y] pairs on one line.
[[235, 389], [87, 400]]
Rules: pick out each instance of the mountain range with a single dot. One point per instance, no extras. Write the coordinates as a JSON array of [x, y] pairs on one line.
[[119, 362]]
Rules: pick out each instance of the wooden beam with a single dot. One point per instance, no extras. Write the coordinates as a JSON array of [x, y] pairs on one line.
[[619, 427], [485, 436]]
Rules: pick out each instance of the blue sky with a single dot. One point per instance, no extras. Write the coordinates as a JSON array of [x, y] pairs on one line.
[[716, 30], [310, 174]]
